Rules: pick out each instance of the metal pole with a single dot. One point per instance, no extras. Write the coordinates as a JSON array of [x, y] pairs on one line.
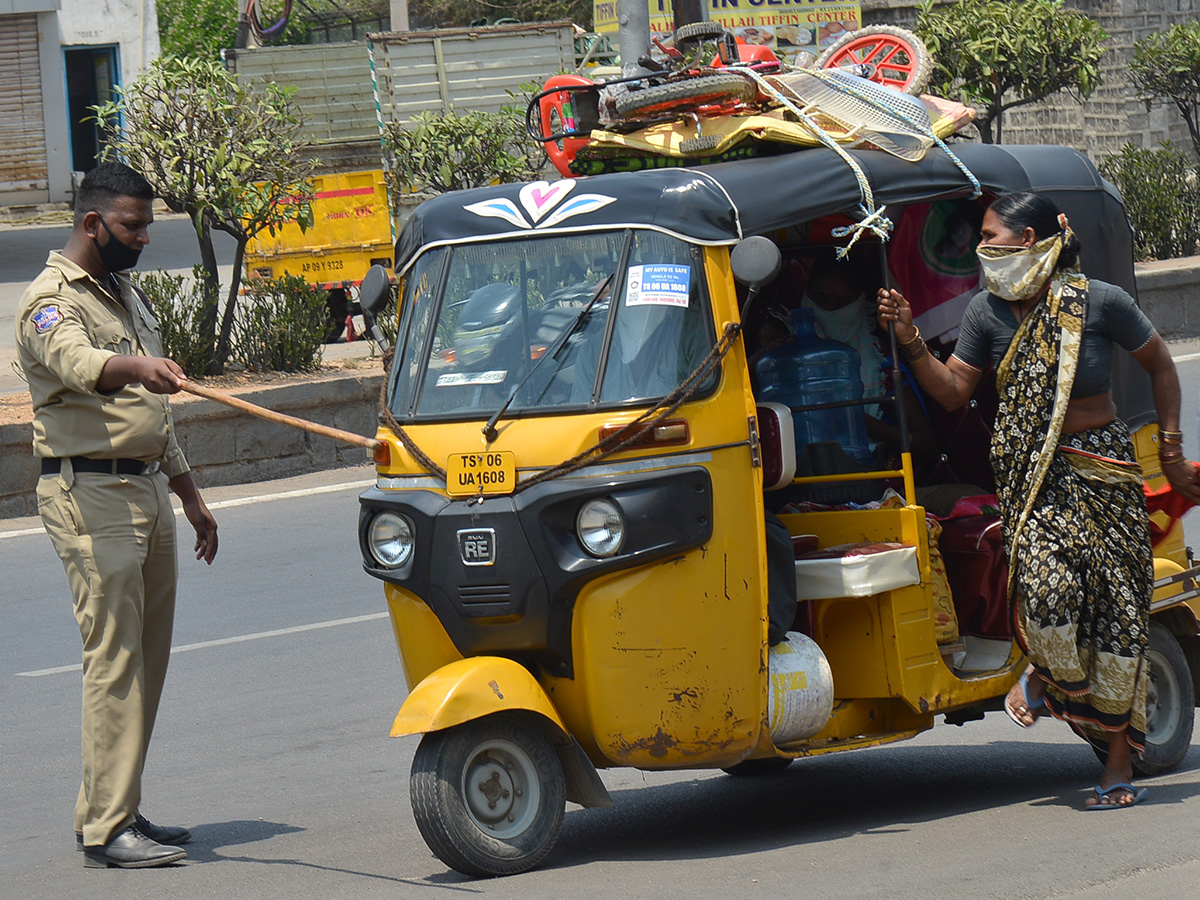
[[633, 23], [242, 38], [910, 490], [688, 11], [399, 18]]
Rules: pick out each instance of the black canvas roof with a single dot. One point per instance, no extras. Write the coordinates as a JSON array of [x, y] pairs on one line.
[[722, 203]]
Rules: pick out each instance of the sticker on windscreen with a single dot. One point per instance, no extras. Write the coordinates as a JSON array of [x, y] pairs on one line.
[[458, 379], [658, 284]]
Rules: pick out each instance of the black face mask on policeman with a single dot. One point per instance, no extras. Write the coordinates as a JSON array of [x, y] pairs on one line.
[[117, 257]]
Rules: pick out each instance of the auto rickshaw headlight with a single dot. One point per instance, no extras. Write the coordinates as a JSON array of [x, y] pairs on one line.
[[390, 539], [600, 527]]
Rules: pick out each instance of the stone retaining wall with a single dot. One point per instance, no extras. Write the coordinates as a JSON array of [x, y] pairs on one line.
[[1169, 292], [225, 446]]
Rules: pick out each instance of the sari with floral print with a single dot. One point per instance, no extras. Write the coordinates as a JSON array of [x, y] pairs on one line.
[[1075, 529]]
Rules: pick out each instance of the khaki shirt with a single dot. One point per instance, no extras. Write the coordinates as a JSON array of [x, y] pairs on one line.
[[68, 326]]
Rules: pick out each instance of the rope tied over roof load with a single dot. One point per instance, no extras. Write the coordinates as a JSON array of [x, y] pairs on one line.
[[872, 219]]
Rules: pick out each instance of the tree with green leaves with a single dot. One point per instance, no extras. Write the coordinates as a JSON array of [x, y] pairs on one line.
[[437, 151], [1166, 66], [230, 157], [459, 13], [998, 55], [196, 27], [206, 27]]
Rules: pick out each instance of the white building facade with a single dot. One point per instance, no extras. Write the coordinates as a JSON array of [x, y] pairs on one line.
[[57, 59]]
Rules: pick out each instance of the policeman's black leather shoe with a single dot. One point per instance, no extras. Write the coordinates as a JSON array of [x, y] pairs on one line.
[[131, 850], [162, 834]]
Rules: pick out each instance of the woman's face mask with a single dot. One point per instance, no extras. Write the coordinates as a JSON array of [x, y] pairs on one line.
[[1016, 272]]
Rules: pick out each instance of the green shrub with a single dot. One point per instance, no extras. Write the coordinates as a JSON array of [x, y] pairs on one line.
[[1161, 190], [435, 152], [178, 303], [281, 326]]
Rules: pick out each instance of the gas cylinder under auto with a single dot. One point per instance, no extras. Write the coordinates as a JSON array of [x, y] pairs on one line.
[[800, 693]]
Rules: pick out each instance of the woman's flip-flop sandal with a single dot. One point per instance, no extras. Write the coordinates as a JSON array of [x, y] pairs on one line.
[[1030, 706], [1102, 793]]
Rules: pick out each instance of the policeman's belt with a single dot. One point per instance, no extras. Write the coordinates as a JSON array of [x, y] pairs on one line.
[[53, 465]]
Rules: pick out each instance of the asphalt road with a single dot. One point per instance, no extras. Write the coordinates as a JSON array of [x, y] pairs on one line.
[[272, 747], [172, 246]]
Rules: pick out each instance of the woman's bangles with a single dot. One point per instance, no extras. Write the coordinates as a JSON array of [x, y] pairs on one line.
[[1170, 446], [914, 348]]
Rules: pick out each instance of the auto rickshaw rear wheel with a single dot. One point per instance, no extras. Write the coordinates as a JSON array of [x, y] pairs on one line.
[[1170, 707], [488, 795]]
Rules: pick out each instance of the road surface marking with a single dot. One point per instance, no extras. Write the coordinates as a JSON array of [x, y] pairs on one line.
[[221, 642], [240, 501]]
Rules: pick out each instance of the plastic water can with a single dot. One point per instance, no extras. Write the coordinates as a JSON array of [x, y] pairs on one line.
[[808, 370]]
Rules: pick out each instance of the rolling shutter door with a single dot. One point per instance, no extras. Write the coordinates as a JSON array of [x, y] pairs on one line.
[[22, 126]]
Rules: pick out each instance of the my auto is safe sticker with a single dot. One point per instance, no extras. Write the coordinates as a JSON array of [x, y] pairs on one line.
[[660, 284]]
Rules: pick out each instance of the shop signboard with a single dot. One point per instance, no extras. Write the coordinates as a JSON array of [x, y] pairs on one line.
[[786, 26]]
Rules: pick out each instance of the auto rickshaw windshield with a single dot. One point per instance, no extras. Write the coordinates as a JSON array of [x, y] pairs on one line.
[[478, 318]]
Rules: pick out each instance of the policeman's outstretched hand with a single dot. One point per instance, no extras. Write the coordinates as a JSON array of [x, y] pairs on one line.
[[160, 375]]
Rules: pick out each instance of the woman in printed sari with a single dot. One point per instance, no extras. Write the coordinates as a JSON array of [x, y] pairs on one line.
[[1075, 525]]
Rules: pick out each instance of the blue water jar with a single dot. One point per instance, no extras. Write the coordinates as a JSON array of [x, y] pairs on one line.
[[809, 370]]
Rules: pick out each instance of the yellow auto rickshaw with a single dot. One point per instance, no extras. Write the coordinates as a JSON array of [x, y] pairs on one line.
[[570, 514]]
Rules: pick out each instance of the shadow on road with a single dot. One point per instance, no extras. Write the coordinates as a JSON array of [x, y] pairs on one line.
[[209, 840], [835, 797]]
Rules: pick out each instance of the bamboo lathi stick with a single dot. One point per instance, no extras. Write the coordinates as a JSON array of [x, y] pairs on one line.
[[279, 418]]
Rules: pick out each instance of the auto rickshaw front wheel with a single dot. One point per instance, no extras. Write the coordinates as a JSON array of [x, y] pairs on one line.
[[1170, 707], [488, 795]]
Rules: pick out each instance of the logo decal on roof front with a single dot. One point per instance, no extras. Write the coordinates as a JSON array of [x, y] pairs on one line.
[[545, 202]]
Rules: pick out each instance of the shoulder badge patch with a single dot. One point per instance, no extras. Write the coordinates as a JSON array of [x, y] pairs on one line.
[[46, 318]]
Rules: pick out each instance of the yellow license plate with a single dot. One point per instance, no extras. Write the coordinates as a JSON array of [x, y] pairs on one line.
[[489, 472]]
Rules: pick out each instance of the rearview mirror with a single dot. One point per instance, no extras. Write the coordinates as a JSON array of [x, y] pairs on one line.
[[755, 261], [374, 291]]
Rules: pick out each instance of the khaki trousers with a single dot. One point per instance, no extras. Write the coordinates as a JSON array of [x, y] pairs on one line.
[[116, 537]]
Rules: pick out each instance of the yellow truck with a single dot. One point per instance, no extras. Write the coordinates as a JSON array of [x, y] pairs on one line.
[[351, 231]]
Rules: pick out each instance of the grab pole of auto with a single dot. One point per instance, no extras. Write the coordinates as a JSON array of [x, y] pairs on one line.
[[901, 407]]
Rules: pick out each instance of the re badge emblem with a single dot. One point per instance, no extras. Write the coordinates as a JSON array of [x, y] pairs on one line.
[[46, 318], [477, 546]]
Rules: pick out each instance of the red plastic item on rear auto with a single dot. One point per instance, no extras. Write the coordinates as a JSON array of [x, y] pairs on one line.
[[560, 103]]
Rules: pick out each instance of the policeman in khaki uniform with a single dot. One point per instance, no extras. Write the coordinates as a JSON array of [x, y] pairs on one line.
[[91, 351]]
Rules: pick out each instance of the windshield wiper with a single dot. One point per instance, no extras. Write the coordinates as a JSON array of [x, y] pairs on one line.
[[489, 430]]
